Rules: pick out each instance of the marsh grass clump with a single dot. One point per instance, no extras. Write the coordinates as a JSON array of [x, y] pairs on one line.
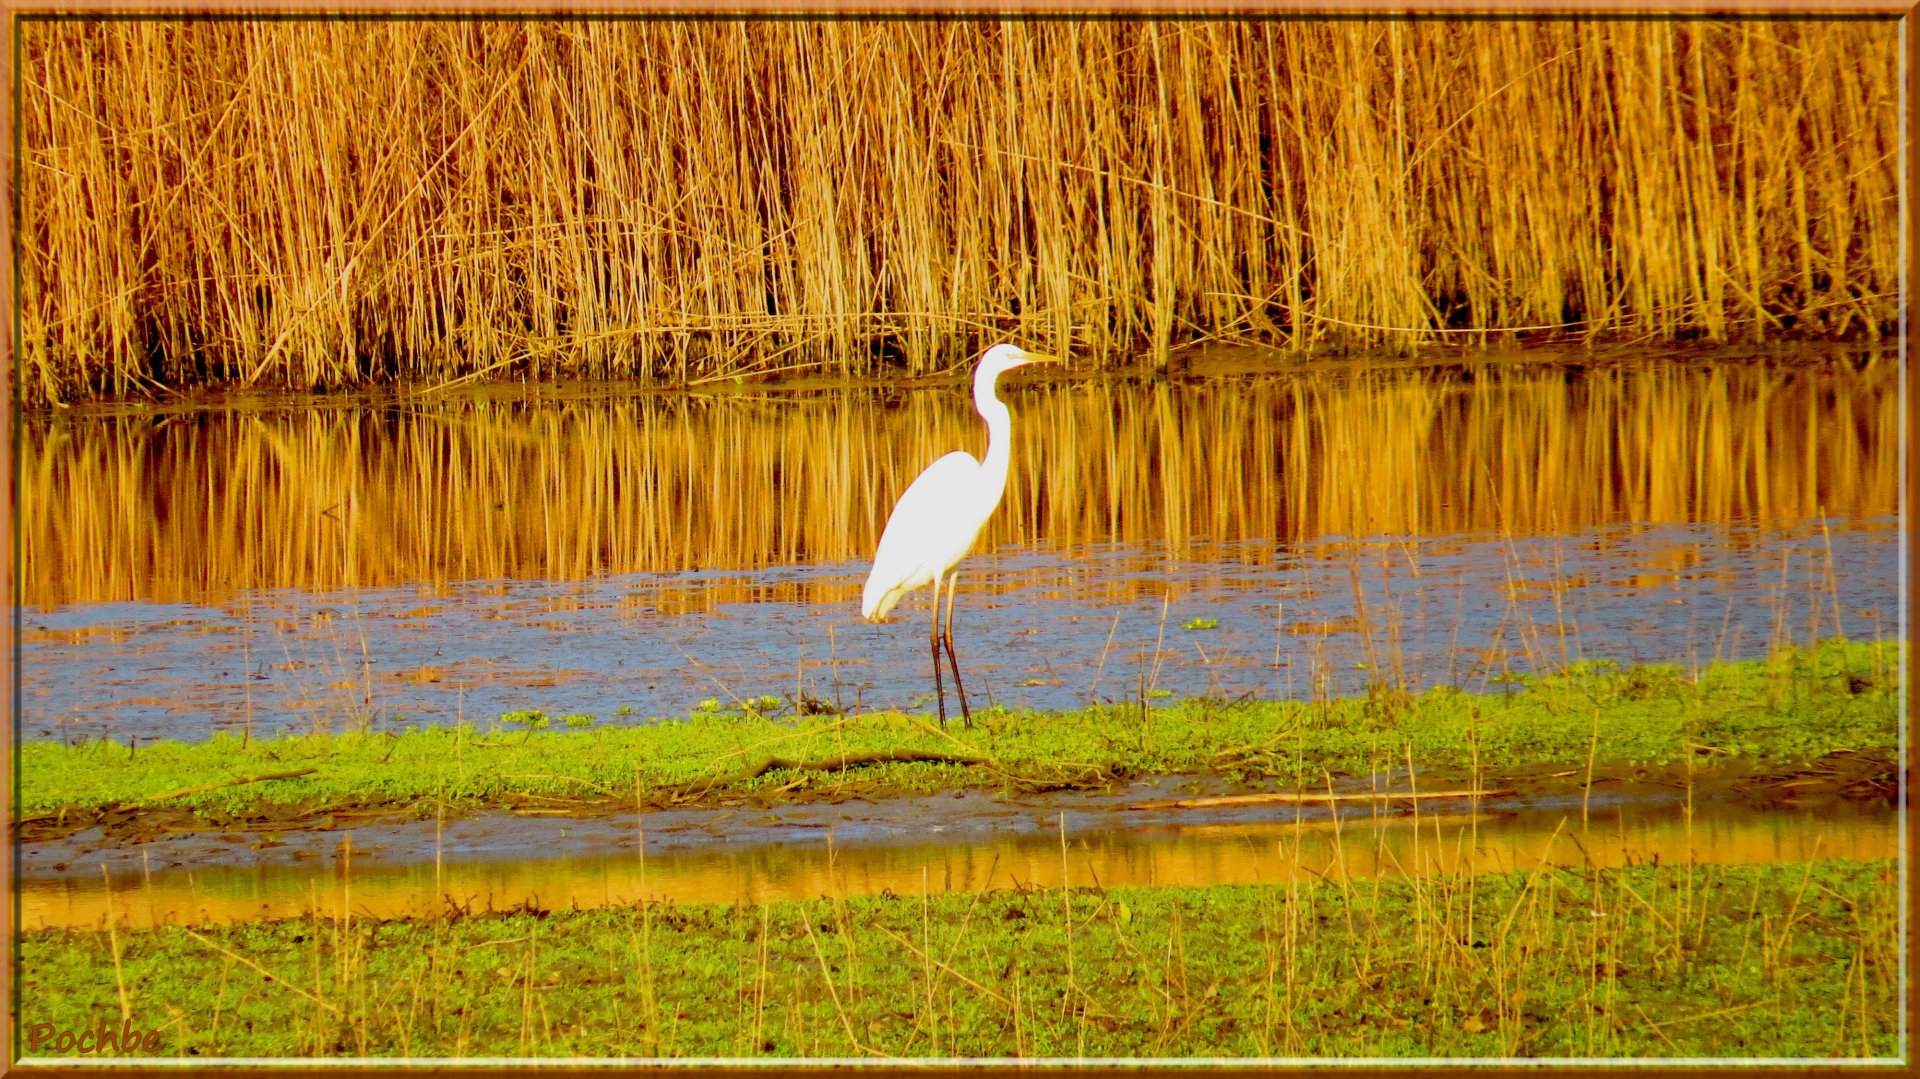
[[1558, 959], [316, 204]]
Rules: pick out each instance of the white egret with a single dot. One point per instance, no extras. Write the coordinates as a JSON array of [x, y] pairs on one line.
[[941, 513]]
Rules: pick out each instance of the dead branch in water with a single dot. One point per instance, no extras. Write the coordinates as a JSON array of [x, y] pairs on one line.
[[181, 793], [1307, 799], [838, 763]]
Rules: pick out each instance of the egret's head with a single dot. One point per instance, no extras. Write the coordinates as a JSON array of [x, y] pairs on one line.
[[1002, 358]]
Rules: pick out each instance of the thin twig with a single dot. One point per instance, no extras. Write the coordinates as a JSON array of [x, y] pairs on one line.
[[264, 972], [205, 787]]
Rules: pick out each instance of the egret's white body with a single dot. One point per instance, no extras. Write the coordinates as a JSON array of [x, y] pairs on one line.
[[932, 528], [942, 512]]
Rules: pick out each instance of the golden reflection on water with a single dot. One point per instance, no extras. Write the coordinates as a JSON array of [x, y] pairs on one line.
[[1166, 854], [196, 507]]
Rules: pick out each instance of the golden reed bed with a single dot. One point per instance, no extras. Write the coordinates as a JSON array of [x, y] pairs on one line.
[[318, 204]]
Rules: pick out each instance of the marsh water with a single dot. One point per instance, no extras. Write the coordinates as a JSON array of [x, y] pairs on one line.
[[1238, 529], [968, 841]]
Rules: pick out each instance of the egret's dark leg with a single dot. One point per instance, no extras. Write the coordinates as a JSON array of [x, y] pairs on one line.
[[952, 660], [933, 642]]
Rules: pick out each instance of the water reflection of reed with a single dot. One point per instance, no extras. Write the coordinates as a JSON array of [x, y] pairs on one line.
[[1266, 852], [197, 507]]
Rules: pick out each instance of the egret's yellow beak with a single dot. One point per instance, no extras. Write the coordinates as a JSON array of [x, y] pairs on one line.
[[1039, 357]]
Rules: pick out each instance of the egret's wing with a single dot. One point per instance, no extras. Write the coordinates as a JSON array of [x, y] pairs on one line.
[[935, 515]]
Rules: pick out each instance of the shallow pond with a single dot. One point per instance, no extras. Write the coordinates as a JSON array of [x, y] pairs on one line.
[[623, 554]]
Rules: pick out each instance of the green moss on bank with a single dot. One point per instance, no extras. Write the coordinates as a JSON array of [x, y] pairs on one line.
[[1797, 705]]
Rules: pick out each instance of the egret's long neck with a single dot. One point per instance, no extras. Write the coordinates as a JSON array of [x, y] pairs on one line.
[[999, 429]]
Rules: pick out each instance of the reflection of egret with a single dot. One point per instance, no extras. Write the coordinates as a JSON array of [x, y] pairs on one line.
[[936, 520]]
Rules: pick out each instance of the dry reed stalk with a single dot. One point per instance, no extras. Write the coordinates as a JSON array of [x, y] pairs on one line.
[[323, 204]]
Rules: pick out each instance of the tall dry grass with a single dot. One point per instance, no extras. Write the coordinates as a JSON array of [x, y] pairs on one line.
[[317, 204], [485, 486]]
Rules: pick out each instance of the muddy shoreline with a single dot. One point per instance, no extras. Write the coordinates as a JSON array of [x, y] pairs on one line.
[[145, 838], [1191, 361]]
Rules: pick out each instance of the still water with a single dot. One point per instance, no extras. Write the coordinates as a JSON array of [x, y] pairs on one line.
[[910, 847], [626, 554]]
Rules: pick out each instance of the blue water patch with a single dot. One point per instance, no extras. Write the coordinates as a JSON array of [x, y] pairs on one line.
[[1033, 629]]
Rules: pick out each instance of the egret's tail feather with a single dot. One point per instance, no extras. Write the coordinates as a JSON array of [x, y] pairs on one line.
[[878, 599]]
